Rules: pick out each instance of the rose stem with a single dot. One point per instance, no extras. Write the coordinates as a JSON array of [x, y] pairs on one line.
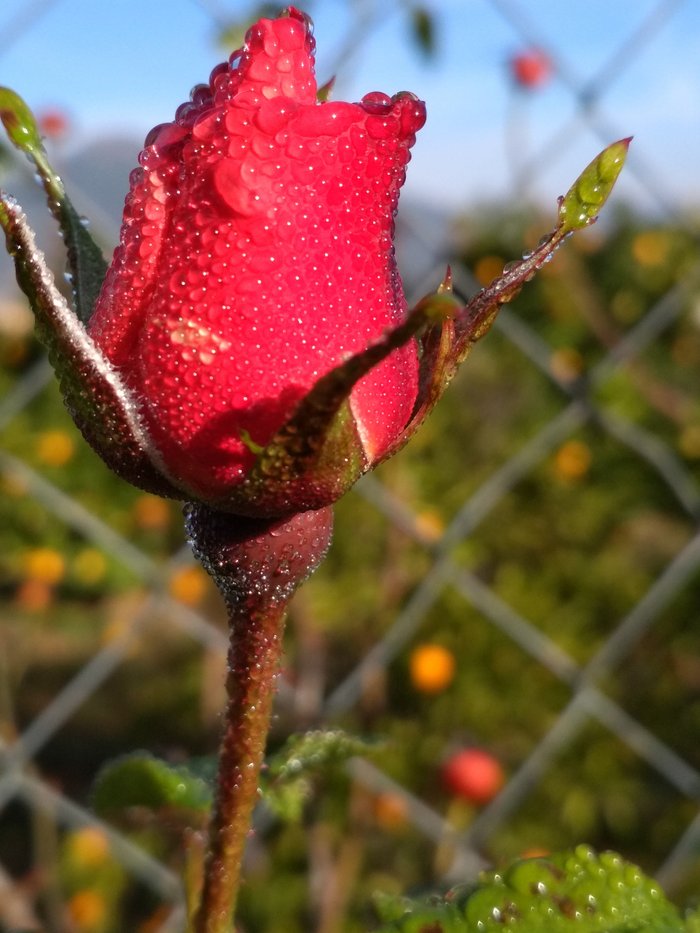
[[257, 565]]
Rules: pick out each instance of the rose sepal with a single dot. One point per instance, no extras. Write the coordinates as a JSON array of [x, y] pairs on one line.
[[318, 454], [445, 348], [101, 405]]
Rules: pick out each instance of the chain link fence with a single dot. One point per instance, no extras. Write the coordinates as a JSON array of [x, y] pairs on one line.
[[322, 691]]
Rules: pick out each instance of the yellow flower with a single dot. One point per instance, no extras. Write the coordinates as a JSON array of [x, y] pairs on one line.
[[651, 247], [488, 268], [55, 448], [572, 461], [188, 585], [151, 513], [430, 525], [88, 847], [566, 364], [44, 565], [89, 566]]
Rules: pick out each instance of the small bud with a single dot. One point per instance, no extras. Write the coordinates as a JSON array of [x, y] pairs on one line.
[[581, 204], [19, 122]]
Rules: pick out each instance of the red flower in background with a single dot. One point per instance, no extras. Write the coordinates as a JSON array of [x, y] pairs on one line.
[[530, 69], [256, 254], [474, 775], [53, 123]]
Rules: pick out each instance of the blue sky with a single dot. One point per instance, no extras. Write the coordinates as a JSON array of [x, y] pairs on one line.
[[124, 66]]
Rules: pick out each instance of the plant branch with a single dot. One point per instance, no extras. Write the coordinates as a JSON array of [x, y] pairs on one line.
[[257, 566]]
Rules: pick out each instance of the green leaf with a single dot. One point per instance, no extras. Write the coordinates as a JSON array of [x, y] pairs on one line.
[[140, 780], [578, 890], [581, 204], [324, 92], [288, 780], [423, 30], [86, 264]]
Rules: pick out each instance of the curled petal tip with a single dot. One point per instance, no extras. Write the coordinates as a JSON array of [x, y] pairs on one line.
[[295, 13]]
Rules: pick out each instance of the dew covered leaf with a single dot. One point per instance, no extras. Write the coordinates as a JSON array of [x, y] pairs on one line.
[[143, 781], [579, 890]]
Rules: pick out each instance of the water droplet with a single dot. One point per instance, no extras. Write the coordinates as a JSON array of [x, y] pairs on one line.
[[377, 102]]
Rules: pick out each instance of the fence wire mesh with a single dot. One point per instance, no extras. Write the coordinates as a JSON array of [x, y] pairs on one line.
[[440, 571]]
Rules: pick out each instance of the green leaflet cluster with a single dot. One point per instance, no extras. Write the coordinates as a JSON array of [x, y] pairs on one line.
[[579, 890]]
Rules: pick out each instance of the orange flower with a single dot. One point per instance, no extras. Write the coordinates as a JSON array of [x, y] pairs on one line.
[[432, 668]]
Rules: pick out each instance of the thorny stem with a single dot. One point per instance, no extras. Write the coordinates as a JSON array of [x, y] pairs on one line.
[[256, 643], [257, 565]]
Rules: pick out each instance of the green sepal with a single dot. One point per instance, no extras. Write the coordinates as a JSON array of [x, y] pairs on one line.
[[317, 455], [86, 264], [447, 345], [95, 395], [312, 460], [577, 890], [436, 351], [583, 201], [142, 781], [323, 94]]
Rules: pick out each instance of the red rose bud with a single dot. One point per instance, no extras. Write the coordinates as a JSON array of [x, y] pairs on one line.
[[256, 255], [250, 348]]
